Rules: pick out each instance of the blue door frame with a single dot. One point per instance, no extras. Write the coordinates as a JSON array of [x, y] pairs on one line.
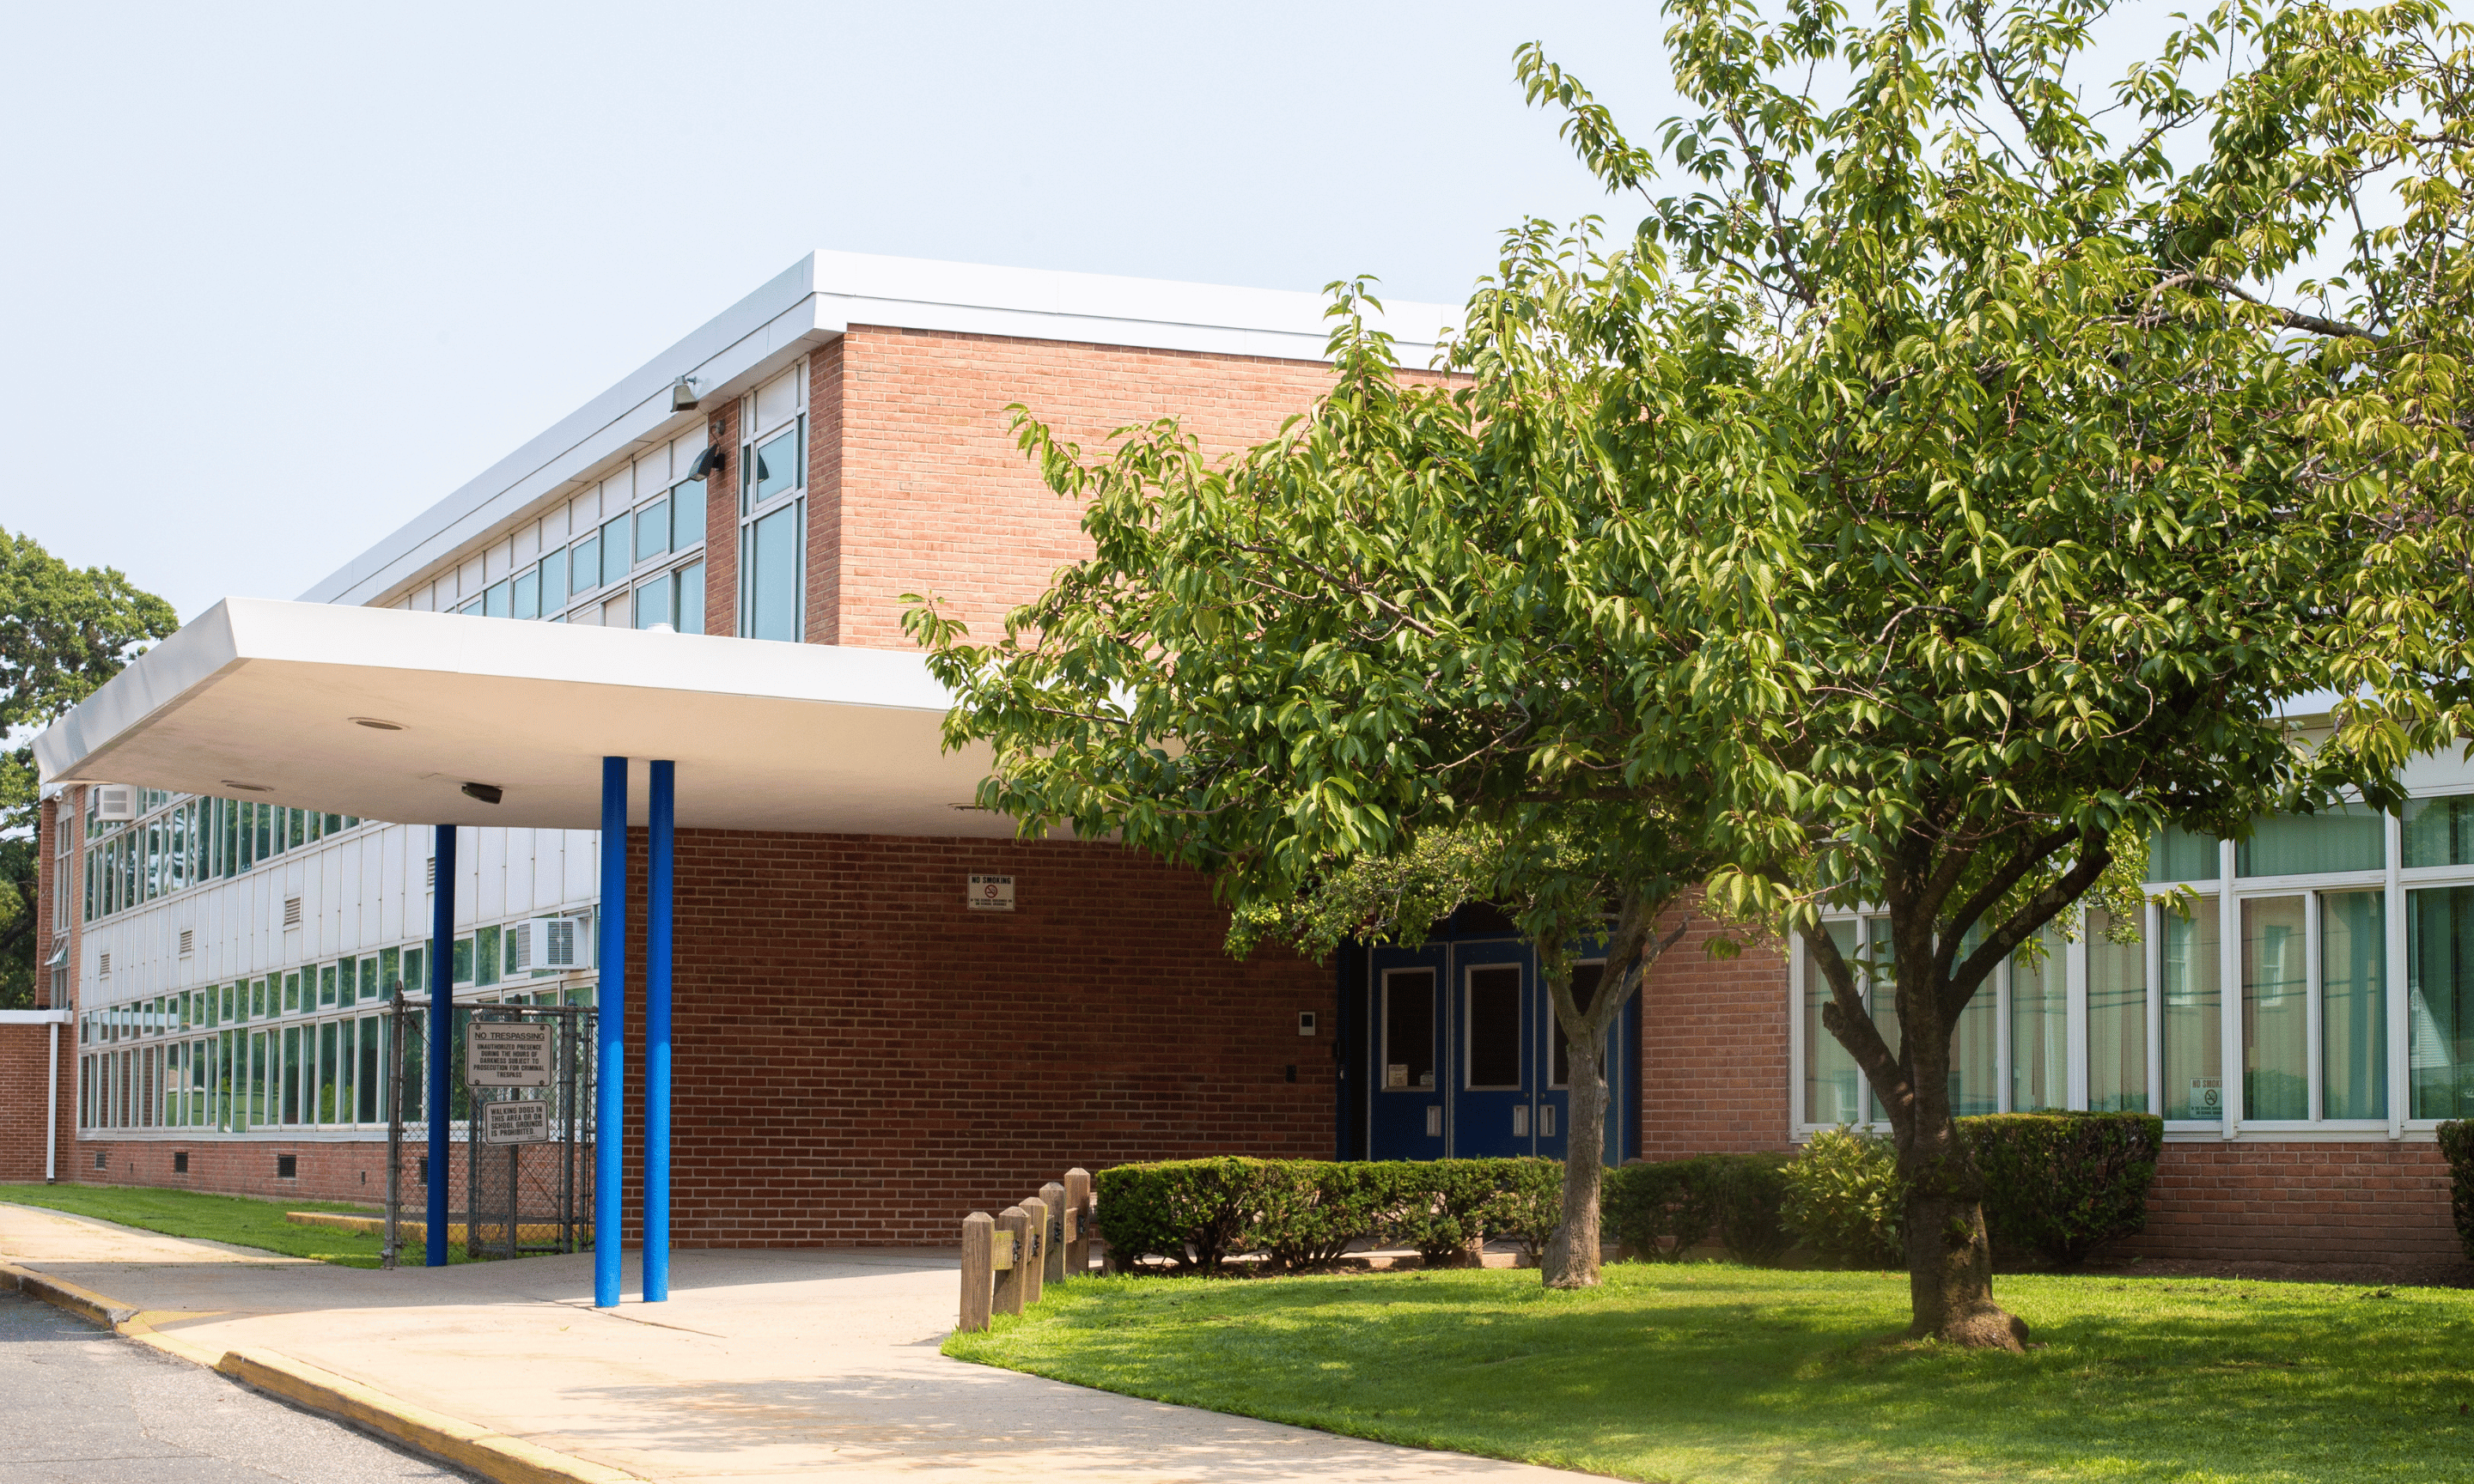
[[1493, 1089]]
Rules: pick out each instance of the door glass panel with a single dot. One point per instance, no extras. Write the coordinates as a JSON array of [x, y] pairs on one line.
[[2040, 1027], [2117, 1019], [1828, 1069], [2439, 1001], [2195, 1032], [2276, 1077], [1494, 1027], [1409, 1028], [2353, 1005]]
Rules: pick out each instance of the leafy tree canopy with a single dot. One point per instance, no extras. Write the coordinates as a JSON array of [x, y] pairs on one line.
[[63, 633]]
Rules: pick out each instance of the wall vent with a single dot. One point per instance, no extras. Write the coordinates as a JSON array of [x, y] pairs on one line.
[[188, 941], [288, 1166], [105, 971], [180, 1162], [549, 945], [292, 912], [429, 878]]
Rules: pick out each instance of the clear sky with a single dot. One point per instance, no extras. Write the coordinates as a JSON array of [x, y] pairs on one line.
[[284, 276]]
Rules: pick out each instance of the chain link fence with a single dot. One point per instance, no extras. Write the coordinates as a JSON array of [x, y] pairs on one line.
[[520, 1176]]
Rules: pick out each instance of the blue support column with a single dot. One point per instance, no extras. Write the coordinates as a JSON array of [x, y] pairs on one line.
[[442, 1033], [657, 1033], [610, 1081]]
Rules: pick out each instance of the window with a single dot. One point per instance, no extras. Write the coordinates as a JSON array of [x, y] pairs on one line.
[[2276, 1078], [2039, 1070], [2353, 1005], [2179, 855], [652, 531], [553, 572], [1829, 1081], [2439, 833], [1492, 1001], [1409, 1029], [527, 593], [2117, 1019], [495, 601], [772, 568], [2440, 1007], [615, 557], [687, 515], [1586, 980], [586, 564], [654, 600], [690, 598], [774, 470], [2352, 837], [2193, 1027]]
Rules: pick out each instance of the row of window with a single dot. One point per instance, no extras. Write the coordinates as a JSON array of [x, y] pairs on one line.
[[2310, 1040], [330, 1073], [2433, 832], [193, 842], [607, 557]]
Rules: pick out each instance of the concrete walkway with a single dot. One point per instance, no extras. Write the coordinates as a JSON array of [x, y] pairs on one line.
[[764, 1365]]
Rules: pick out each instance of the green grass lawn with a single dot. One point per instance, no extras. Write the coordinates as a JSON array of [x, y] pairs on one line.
[[237, 1219], [1722, 1373]]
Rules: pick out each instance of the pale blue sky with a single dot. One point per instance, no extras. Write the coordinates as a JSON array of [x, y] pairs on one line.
[[281, 277]]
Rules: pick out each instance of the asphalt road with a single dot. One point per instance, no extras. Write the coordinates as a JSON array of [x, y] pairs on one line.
[[80, 1406]]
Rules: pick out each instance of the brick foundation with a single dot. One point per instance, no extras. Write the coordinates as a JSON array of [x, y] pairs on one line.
[[2371, 1202]]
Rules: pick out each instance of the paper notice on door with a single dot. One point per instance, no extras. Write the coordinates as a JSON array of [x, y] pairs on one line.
[[1395, 1074]]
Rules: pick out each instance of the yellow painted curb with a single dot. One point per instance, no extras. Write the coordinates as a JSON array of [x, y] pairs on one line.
[[412, 1230], [492, 1455]]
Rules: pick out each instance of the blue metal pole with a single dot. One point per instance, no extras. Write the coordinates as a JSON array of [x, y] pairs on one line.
[[657, 1034], [442, 1033], [609, 1077]]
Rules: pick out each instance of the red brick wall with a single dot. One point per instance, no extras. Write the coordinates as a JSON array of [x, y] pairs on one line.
[[354, 1170], [25, 1052], [825, 425], [858, 1059], [2371, 1202], [934, 498], [1713, 1050], [721, 524]]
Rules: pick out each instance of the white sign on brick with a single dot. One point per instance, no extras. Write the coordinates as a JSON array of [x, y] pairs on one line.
[[991, 894]]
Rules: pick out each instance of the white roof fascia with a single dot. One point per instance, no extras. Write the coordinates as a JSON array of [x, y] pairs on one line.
[[811, 303]]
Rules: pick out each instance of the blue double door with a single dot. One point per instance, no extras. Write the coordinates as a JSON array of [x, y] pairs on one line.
[[1465, 1059]]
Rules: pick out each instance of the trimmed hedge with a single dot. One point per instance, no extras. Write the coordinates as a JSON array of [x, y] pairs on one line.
[[1304, 1214], [1736, 1197], [2057, 1186], [2457, 1142]]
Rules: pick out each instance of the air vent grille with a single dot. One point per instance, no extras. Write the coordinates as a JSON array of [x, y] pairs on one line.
[[105, 971], [292, 912], [188, 941]]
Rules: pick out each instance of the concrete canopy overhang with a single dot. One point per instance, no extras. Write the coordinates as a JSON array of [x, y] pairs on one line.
[[258, 699]]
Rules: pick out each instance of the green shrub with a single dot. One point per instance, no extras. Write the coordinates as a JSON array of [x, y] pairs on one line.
[[1191, 1212], [1844, 1199], [2057, 1186], [1437, 1207], [1748, 1205], [1528, 1204], [1307, 1211], [2457, 1142], [1641, 1204]]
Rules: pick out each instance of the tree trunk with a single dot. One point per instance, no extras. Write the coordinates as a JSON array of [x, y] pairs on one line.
[[1949, 1258], [1570, 1259]]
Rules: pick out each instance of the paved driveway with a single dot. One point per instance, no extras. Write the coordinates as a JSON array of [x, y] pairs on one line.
[[764, 1365]]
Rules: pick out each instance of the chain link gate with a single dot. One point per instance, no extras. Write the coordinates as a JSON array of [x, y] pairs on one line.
[[509, 1199]]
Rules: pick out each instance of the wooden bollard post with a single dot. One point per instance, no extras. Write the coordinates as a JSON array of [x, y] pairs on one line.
[[1052, 1196], [1013, 1241], [979, 1273], [1034, 1267], [1078, 1218]]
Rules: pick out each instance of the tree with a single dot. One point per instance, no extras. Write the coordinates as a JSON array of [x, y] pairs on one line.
[[2075, 483], [1423, 634], [63, 633]]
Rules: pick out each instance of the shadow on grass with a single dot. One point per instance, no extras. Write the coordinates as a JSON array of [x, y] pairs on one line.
[[1723, 1371]]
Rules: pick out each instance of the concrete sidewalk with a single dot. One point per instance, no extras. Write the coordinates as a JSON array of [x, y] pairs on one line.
[[764, 1365]]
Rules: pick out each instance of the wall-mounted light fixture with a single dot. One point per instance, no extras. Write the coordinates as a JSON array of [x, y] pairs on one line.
[[708, 462], [487, 793], [683, 395]]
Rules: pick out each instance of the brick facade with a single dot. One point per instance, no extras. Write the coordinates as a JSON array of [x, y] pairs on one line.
[[1713, 1054], [2372, 1202]]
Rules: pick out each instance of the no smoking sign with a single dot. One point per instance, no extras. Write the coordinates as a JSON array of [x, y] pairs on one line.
[[991, 894]]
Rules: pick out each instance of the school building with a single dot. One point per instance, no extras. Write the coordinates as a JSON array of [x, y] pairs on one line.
[[877, 1009]]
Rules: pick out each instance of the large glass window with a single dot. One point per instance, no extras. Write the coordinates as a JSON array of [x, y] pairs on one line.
[[586, 571], [776, 467], [527, 593], [553, 582], [653, 599], [2277, 1036], [2439, 831], [691, 618], [2352, 837], [652, 530], [2191, 999], [1830, 1083], [2117, 1019], [2440, 1002], [687, 515], [616, 558], [2040, 1042], [773, 577], [2178, 855], [2353, 1005], [496, 601]]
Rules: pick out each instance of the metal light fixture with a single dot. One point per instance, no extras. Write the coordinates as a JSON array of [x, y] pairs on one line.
[[251, 788], [487, 793], [683, 395], [376, 724], [708, 462]]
